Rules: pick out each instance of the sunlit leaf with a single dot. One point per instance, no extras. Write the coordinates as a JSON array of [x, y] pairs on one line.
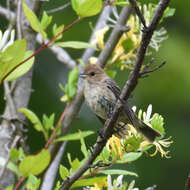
[[14, 155], [63, 172], [34, 22], [74, 136], [11, 57], [56, 30], [130, 157], [86, 8], [35, 164], [32, 183], [121, 3], [24, 68], [74, 44], [33, 118], [89, 181], [14, 168], [10, 187], [118, 172], [46, 20]]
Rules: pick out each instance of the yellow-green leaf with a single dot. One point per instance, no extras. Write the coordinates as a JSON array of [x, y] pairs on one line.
[[86, 8], [33, 118], [34, 164], [11, 57], [34, 22], [74, 44], [74, 136], [89, 181], [63, 171], [24, 68], [118, 172]]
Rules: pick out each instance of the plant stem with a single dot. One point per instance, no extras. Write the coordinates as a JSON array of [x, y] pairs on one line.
[[20, 181], [50, 140]]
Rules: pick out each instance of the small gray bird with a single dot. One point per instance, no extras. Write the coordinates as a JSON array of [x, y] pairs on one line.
[[101, 94]]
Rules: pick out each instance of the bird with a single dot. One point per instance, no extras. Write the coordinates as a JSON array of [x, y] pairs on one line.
[[101, 94]]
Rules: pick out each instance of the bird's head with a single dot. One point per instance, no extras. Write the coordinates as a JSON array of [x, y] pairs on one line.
[[93, 72]]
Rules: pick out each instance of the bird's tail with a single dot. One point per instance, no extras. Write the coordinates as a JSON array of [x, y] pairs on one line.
[[147, 131], [140, 126]]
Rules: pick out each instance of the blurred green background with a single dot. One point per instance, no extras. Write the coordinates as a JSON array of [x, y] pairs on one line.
[[168, 90]]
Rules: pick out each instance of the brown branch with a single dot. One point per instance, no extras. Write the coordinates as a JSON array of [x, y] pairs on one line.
[[52, 137], [128, 88], [146, 69], [138, 12]]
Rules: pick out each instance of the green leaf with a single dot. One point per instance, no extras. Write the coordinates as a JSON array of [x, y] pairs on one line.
[[63, 172], [34, 22], [10, 187], [83, 146], [14, 168], [121, 3], [74, 44], [34, 164], [24, 68], [118, 172], [33, 183], [72, 80], [157, 122], [56, 30], [130, 157], [74, 136], [48, 123], [105, 155], [46, 20], [86, 8], [169, 12], [89, 181], [12, 57], [131, 185], [75, 165], [128, 44], [14, 155], [58, 185], [33, 118], [111, 73]]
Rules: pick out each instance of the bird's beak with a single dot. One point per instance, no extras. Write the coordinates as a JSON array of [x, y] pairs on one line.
[[83, 75]]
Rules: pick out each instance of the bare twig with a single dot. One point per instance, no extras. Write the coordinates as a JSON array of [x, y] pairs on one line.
[[146, 69], [18, 19], [187, 184], [128, 88], [7, 13], [138, 12], [59, 8]]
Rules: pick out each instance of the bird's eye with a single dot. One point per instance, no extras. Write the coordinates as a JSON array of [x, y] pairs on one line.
[[92, 74]]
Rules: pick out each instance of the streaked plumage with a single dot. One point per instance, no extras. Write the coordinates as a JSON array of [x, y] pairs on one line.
[[100, 94]]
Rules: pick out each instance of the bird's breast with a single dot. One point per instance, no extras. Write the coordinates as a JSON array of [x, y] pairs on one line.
[[100, 99]]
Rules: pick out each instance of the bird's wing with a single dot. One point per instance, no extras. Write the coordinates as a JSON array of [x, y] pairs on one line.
[[113, 87], [116, 90]]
